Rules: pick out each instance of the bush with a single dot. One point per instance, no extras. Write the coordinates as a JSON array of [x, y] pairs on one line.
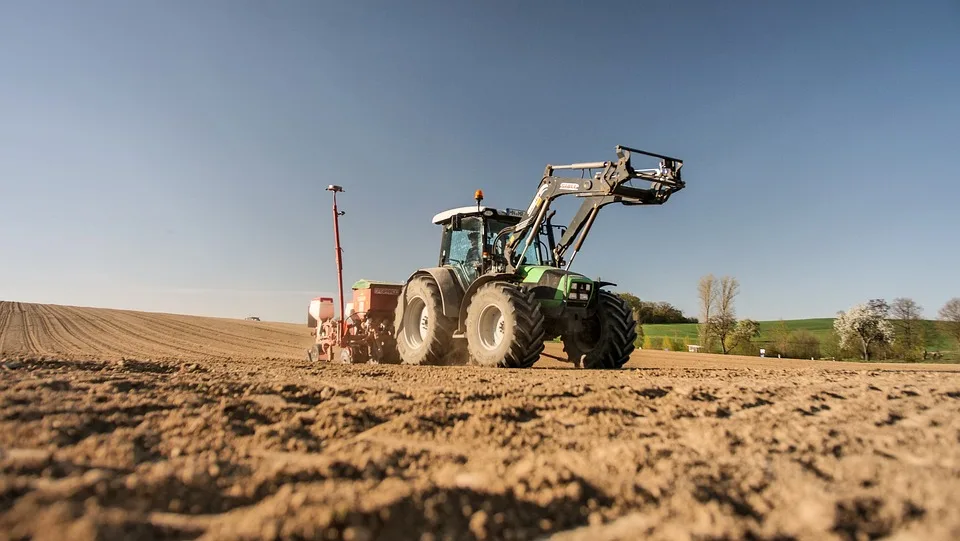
[[676, 344], [830, 347], [747, 347], [803, 344], [653, 342], [639, 341], [903, 353]]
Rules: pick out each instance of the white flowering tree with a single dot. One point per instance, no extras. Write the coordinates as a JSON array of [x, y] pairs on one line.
[[864, 325]]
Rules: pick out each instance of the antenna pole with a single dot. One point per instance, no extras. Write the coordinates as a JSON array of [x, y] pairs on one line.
[[339, 251]]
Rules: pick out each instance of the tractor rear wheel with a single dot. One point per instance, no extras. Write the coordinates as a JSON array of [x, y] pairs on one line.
[[505, 327], [424, 334], [607, 339]]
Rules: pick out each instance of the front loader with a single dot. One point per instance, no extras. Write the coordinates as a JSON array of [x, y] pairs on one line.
[[503, 284]]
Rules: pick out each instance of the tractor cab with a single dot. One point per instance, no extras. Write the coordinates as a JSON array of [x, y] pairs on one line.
[[469, 243]]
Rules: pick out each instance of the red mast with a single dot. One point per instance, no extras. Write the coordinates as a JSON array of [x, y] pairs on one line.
[[336, 233]]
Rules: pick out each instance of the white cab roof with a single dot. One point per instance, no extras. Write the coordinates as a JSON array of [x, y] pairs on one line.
[[447, 214]]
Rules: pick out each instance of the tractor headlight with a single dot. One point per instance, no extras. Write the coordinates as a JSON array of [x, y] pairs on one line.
[[579, 291]]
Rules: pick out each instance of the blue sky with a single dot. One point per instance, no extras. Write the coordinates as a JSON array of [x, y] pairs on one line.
[[172, 155]]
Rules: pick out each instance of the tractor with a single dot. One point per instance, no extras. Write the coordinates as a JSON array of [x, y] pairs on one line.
[[503, 284]]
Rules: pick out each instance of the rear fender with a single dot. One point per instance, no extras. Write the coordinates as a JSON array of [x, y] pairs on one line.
[[450, 291]]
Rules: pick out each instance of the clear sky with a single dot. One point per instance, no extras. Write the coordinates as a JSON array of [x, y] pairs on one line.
[[172, 155]]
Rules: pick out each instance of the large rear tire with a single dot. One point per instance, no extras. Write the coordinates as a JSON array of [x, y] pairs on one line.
[[607, 339], [505, 327], [424, 334]]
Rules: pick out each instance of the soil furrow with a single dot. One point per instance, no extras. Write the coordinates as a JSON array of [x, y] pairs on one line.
[[235, 339], [41, 328], [64, 339], [96, 343], [5, 309], [187, 333], [140, 339], [28, 331]]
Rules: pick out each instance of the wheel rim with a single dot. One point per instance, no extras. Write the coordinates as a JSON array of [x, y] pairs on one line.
[[424, 320], [416, 320], [490, 327]]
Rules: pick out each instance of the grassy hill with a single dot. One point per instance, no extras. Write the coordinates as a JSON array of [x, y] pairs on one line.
[[819, 327]]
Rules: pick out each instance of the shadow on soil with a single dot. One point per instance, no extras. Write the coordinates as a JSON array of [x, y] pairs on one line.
[[461, 513]]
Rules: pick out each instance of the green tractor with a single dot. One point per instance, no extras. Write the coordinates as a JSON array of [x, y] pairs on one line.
[[502, 286]]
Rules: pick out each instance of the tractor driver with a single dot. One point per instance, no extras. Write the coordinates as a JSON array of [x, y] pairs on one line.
[[472, 260]]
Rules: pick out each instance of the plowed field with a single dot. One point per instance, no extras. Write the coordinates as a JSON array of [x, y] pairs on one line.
[[120, 424]]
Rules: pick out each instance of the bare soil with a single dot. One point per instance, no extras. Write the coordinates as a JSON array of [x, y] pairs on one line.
[[119, 424]]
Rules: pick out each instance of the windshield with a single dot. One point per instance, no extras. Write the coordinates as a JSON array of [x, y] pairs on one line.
[[535, 254]]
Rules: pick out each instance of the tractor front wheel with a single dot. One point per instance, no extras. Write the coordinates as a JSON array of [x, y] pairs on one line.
[[505, 327], [424, 334], [607, 338]]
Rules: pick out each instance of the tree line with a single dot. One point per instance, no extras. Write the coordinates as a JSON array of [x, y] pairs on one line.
[[655, 312], [875, 329], [896, 330]]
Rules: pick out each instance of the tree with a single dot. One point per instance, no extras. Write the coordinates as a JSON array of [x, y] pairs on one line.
[[744, 331], [716, 298], [719, 327], [906, 316], [729, 289], [950, 318], [879, 306], [636, 305], [647, 312], [729, 332], [864, 324], [633, 302], [707, 291]]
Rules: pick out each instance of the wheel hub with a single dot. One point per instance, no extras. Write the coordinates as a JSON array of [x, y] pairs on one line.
[[491, 327], [424, 322], [416, 321]]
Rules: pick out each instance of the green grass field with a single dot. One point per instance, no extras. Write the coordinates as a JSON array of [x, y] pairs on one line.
[[819, 327]]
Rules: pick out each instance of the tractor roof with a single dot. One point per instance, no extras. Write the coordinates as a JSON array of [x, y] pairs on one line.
[[473, 210]]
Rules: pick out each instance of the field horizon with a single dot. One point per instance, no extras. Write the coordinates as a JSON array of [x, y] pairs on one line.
[[818, 327]]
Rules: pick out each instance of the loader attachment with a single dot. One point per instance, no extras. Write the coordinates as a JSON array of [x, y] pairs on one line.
[[609, 185]]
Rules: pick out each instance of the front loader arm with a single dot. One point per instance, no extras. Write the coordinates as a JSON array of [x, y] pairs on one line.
[[606, 187]]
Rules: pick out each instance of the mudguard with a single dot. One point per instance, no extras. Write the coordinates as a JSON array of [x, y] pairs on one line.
[[450, 291]]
